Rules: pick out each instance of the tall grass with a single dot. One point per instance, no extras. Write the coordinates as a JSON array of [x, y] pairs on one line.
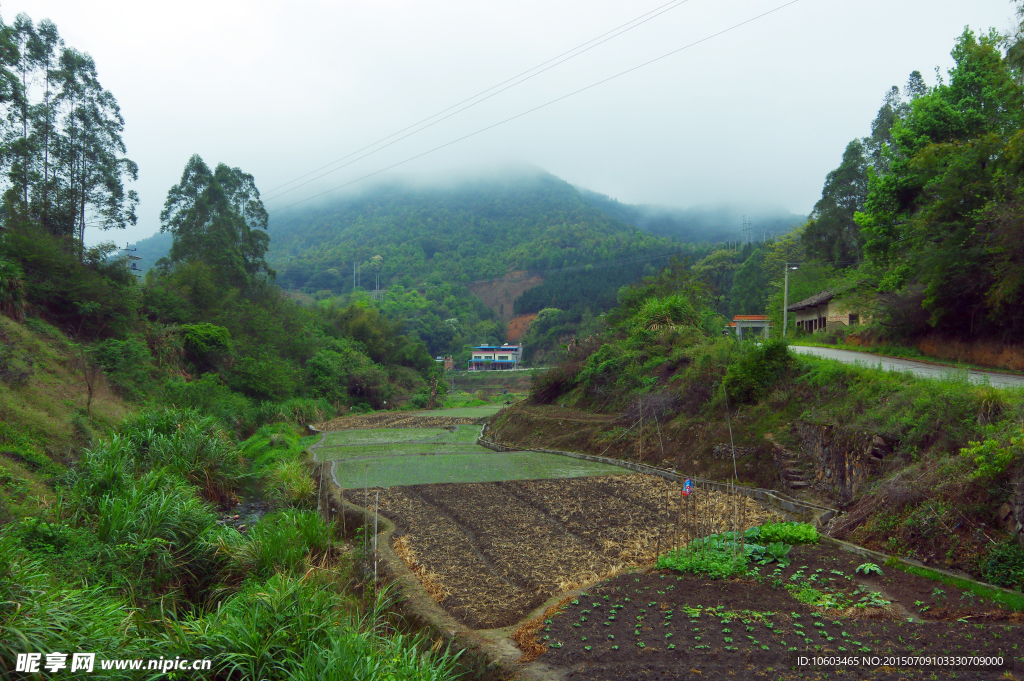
[[36, 616], [293, 627], [289, 542], [188, 443], [279, 462]]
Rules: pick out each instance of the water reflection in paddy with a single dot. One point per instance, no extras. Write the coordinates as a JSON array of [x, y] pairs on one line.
[[470, 465]]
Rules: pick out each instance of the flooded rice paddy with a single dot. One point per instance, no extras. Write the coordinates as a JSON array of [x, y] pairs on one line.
[[389, 457]]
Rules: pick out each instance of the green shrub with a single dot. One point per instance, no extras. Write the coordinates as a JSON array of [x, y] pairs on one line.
[[788, 533], [209, 395], [758, 368], [264, 376], [128, 364], [1004, 565], [205, 340], [992, 458]]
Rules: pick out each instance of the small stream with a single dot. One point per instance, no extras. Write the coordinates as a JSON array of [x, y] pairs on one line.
[[249, 510]]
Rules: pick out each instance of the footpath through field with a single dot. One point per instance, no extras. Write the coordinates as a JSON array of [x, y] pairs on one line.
[[919, 368]]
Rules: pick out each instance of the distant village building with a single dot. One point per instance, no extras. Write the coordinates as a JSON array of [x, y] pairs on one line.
[[496, 357], [749, 321], [821, 312], [448, 362]]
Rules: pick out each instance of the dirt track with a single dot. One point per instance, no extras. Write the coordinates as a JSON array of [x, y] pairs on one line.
[[491, 552]]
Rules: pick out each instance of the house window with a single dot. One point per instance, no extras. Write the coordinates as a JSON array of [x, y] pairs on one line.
[[502, 356], [854, 319]]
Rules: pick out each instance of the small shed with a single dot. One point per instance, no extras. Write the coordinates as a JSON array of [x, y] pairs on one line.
[[822, 312], [750, 321]]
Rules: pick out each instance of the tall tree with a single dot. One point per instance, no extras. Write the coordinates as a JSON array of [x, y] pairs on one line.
[[923, 219], [45, 52], [63, 149], [18, 142], [218, 218], [91, 151], [831, 234]]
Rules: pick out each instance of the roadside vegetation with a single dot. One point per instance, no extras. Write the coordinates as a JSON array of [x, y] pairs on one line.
[[949, 457], [130, 560]]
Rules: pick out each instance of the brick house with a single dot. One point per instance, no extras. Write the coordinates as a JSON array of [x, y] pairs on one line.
[[822, 312]]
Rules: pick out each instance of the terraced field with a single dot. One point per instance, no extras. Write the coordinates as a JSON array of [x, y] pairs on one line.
[[491, 552], [437, 418]]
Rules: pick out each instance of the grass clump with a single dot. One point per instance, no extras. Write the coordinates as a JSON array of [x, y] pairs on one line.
[[287, 542], [281, 465]]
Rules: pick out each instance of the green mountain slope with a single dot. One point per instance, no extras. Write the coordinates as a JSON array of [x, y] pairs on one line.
[[472, 231]]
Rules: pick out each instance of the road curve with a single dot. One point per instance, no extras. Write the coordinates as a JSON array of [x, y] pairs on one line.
[[996, 379]]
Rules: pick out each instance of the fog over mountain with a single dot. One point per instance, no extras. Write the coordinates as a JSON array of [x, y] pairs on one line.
[[760, 113]]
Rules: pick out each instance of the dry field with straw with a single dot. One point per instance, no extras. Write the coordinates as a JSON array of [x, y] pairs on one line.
[[489, 553]]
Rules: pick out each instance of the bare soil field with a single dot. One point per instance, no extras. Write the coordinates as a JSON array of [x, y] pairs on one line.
[[490, 553], [664, 625]]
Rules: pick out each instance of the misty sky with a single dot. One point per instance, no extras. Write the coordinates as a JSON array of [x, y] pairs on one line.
[[757, 115]]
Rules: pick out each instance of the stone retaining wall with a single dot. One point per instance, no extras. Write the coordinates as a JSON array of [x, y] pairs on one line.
[[843, 459]]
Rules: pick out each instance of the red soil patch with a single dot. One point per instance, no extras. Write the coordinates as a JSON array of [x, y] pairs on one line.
[[518, 326], [499, 294]]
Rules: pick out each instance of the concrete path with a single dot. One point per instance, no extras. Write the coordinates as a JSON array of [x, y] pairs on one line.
[[920, 368]]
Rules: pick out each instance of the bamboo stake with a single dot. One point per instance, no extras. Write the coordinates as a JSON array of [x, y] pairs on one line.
[[376, 505], [743, 522], [679, 513], [640, 442], [660, 441]]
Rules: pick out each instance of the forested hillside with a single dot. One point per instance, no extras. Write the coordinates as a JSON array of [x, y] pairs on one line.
[[475, 230], [700, 224], [432, 247], [428, 246]]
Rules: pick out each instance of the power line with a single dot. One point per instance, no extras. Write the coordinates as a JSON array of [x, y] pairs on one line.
[[662, 8], [537, 108]]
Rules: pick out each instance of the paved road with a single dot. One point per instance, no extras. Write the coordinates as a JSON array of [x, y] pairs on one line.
[[920, 368]]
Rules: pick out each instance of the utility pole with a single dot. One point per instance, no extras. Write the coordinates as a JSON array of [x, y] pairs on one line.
[[785, 297], [133, 268]]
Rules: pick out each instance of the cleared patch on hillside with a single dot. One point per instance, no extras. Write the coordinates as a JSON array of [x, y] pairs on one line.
[[518, 326], [499, 294]]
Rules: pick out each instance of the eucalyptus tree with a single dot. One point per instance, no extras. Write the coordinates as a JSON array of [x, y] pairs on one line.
[[45, 52], [63, 150], [91, 153], [217, 217], [18, 142]]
